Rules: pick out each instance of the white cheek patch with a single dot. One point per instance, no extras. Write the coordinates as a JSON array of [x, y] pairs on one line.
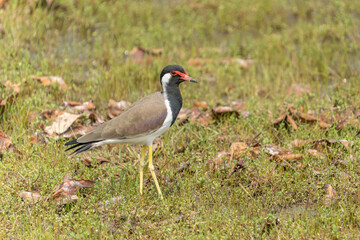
[[165, 79]]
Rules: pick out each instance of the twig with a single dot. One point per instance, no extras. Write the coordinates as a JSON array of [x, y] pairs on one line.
[[242, 187]]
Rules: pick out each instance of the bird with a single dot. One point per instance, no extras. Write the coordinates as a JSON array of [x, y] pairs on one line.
[[141, 122]]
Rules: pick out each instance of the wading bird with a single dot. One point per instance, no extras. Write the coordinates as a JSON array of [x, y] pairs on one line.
[[142, 122]]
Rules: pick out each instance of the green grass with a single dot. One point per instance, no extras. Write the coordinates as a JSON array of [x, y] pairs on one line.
[[311, 43]]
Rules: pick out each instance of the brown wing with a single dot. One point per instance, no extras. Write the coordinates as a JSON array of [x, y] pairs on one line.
[[144, 116]]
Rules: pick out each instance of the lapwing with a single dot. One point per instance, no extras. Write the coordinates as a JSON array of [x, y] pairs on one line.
[[142, 122]]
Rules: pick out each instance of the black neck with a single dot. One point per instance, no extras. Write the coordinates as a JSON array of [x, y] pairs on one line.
[[173, 95]]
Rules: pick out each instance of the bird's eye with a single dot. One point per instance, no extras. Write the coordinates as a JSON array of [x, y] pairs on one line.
[[173, 73]]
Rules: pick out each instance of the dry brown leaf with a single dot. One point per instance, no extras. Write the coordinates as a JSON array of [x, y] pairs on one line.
[[77, 107], [14, 87], [65, 193], [306, 117], [287, 157], [116, 108], [291, 109], [299, 143], [204, 105], [280, 119], [48, 80], [30, 196], [330, 196], [323, 124], [316, 153], [223, 110], [291, 122], [5, 142], [238, 150], [62, 123], [194, 115]]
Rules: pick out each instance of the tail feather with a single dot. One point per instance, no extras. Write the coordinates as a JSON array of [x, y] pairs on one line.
[[81, 147], [72, 142]]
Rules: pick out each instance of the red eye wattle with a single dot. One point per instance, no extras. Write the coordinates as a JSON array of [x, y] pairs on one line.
[[173, 73]]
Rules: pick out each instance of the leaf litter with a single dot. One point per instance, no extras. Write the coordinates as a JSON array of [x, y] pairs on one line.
[[48, 80], [67, 190]]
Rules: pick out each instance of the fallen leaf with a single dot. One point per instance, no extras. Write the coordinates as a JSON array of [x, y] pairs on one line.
[[287, 157], [116, 108], [5, 142], [30, 196], [194, 115], [77, 107], [280, 119], [65, 193], [204, 105], [330, 196], [61, 123], [48, 80], [323, 124], [291, 109], [316, 153], [291, 122], [238, 149], [223, 110], [307, 117], [14, 87]]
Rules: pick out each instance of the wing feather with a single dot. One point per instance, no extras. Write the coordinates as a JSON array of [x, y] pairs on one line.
[[143, 117]]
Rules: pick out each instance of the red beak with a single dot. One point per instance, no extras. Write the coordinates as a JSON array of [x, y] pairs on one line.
[[185, 77]]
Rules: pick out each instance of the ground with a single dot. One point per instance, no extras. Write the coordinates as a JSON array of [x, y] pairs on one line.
[[261, 54]]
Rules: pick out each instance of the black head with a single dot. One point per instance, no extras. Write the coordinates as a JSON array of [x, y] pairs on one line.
[[174, 75]]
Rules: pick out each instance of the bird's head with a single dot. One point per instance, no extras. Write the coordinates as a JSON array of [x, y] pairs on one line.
[[173, 75]]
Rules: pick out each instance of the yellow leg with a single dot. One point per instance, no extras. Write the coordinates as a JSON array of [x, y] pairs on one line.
[[141, 169], [151, 168]]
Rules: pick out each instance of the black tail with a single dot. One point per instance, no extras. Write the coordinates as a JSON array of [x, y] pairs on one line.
[[81, 147]]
